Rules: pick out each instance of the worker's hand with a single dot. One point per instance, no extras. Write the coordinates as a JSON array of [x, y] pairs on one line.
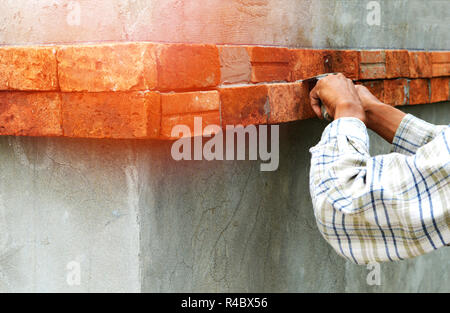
[[381, 118], [367, 98], [339, 96]]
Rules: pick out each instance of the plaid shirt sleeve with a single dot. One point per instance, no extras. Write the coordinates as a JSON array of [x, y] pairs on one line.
[[413, 133], [384, 208]]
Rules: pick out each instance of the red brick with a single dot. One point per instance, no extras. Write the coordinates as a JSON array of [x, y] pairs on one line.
[[396, 92], [28, 68], [235, 66], [307, 63], [397, 64], [151, 66], [30, 114], [270, 72], [269, 54], [108, 114], [269, 64], [190, 102], [440, 70], [372, 64], [420, 64], [440, 89], [244, 105], [289, 102], [441, 63], [107, 67], [342, 61], [372, 56], [372, 71], [376, 87], [440, 56], [419, 92], [169, 122], [186, 67], [153, 104]]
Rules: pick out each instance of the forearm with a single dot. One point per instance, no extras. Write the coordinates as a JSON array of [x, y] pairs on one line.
[[384, 120]]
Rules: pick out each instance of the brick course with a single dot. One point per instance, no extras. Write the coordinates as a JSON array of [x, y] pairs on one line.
[[110, 67], [420, 65], [106, 115], [270, 64], [244, 105], [396, 92], [372, 65], [440, 89], [419, 92], [30, 113], [141, 90], [441, 63], [185, 67], [289, 102], [28, 68]]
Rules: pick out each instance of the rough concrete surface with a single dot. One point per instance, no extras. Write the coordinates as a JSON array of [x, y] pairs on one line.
[[135, 220], [409, 24]]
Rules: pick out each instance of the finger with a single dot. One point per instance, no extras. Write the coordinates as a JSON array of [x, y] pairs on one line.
[[360, 89], [315, 102], [352, 87]]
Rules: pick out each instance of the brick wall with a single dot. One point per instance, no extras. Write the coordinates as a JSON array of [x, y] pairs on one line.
[[142, 89]]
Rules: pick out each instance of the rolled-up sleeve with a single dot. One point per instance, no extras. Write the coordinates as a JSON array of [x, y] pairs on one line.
[[413, 133], [338, 163]]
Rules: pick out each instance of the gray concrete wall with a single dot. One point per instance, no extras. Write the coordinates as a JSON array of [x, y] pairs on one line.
[[412, 24], [227, 227], [64, 201], [135, 220]]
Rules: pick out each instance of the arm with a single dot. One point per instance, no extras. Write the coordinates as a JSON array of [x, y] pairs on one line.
[[384, 208], [375, 209], [384, 120], [406, 132]]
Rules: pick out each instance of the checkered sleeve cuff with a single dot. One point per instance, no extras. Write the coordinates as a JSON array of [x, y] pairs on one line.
[[412, 134], [352, 128]]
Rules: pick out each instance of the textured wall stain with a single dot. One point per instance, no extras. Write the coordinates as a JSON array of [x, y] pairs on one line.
[[25, 158], [253, 8], [4, 236], [132, 182], [132, 188], [7, 250]]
